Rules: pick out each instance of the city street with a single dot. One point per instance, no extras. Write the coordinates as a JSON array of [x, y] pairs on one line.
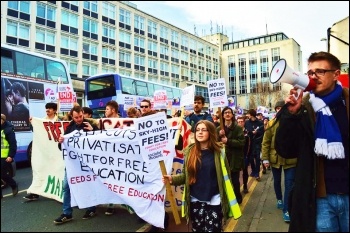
[[18, 215], [259, 213]]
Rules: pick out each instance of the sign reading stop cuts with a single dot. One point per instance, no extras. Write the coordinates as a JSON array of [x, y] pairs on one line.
[[65, 97]]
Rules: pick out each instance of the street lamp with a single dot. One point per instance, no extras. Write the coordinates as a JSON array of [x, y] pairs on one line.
[[324, 39]]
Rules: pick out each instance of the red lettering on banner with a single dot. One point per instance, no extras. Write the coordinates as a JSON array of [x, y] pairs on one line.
[[81, 179], [54, 129], [115, 188]]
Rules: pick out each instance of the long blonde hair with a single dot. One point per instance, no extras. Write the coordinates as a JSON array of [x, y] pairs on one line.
[[195, 154]]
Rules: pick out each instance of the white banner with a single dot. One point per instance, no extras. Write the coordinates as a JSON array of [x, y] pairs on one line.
[[160, 99], [187, 97], [153, 137], [217, 93], [107, 167], [122, 161]]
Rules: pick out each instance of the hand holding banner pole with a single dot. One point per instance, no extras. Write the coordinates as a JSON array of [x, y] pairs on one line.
[[170, 195]]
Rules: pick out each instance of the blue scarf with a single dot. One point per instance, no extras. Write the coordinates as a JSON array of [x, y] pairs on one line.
[[328, 138]]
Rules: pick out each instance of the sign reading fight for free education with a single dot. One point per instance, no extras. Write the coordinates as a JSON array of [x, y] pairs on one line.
[[152, 133], [217, 93], [103, 167]]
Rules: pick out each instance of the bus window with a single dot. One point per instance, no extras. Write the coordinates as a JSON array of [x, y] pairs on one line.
[[151, 89], [6, 61], [101, 87], [56, 71], [169, 92], [128, 86], [29, 65], [177, 93], [141, 88]]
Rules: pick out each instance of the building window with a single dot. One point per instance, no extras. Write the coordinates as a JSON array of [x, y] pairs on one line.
[[264, 70], [75, 3], [124, 16], [90, 5], [45, 37], [174, 36], [125, 56], [46, 12], [193, 44], [184, 56], [90, 48], [152, 63], [17, 33], [89, 69], [108, 10], [164, 66], [175, 53], [108, 70], [69, 46], [152, 46], [139, 22], [139, 60], [108, 53], [69, 19], [90, 25], [139, 42], [124, 37], [152, 27], [184, 41], [242, 72], [108, 32], [163, 32], [73, 67], [21, 6]]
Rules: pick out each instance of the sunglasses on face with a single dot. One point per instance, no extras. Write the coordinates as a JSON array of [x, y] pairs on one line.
[[143, 106]]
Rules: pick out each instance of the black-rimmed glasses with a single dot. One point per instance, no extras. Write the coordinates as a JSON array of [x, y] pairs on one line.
[[318, 72], [143, 106]]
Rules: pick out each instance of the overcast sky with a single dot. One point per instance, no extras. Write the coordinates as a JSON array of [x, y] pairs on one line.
[[305, 22]]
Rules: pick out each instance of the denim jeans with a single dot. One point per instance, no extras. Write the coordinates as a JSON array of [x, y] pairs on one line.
[[289, 175], [332, 213], [255, 163], [67, 209]]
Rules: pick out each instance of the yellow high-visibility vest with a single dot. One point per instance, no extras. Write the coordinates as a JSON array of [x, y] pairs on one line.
[[235, 210], [5, 146]]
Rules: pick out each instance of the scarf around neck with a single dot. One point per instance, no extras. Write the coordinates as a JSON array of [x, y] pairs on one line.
[[328, 140]]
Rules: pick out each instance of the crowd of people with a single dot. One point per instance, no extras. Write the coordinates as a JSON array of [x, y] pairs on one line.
[[307, 139]]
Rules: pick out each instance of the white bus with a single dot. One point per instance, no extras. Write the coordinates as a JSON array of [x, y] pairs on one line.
[[28, 81]]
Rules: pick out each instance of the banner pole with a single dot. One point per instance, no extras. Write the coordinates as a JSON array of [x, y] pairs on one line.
[[170, 195]]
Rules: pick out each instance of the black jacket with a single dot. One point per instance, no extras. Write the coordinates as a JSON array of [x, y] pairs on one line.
[[73, 126], [10, 136]]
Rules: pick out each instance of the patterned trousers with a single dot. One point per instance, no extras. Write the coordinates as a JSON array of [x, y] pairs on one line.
[[205, 218]]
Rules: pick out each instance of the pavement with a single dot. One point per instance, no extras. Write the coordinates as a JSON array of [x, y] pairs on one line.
[[259, 210]]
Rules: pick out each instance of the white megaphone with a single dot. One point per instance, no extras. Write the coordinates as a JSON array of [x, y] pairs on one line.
[[281, 72]]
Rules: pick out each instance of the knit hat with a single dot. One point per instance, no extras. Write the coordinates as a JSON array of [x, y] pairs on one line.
[[279, 103]]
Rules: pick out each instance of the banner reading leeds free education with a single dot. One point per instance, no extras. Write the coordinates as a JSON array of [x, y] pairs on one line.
[[102, 167]]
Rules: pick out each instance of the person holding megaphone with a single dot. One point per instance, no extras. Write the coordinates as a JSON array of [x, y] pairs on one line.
[[314, 129]]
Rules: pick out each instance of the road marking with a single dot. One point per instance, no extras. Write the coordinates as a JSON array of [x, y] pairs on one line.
[[231, 223], [10, 194]]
